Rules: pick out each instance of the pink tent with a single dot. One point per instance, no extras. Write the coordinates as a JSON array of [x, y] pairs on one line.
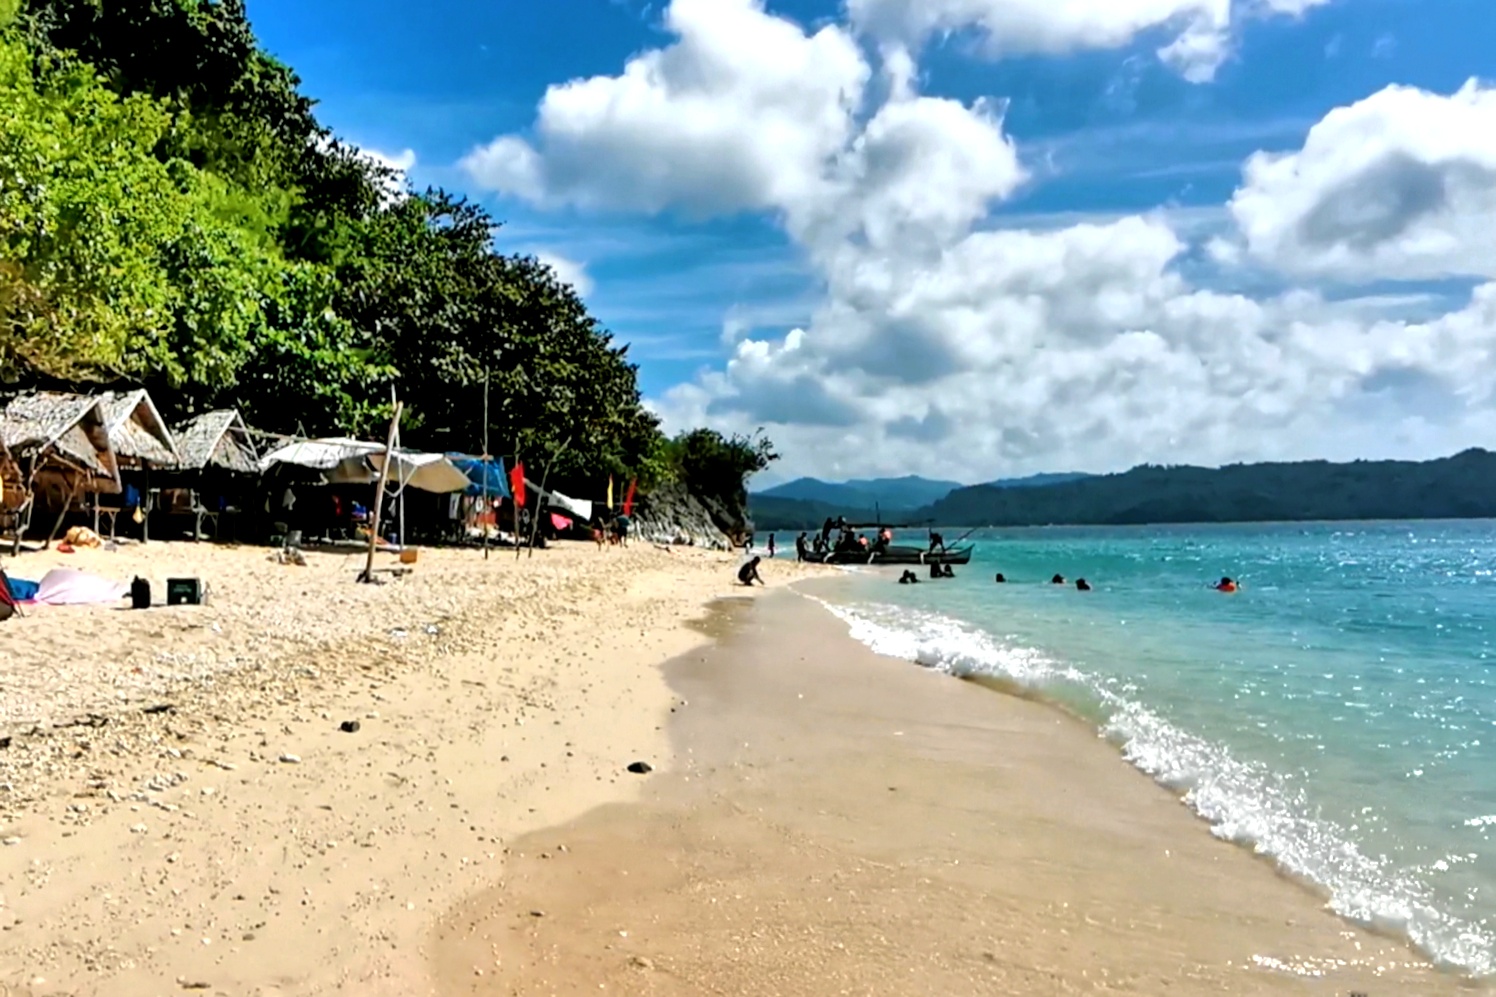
[[69, 587]]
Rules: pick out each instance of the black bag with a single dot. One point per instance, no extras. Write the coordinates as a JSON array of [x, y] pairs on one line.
[[140, 594]]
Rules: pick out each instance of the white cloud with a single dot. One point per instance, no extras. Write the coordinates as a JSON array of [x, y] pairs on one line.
[[569, 271], [1202, 29], [944, 345], [741, 113], [1401, 185], [1292, 8]]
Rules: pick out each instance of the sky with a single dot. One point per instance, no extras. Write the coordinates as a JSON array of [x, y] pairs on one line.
[[974, 239]]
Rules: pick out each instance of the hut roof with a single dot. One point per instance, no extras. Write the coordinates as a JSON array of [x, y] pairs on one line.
[[220, 438], [71, 425], [136, 429]]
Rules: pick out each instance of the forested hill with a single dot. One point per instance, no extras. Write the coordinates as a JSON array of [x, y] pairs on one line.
[[173, 215], [1462, 486]]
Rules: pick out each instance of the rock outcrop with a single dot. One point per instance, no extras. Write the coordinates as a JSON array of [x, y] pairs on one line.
[[672, 514]]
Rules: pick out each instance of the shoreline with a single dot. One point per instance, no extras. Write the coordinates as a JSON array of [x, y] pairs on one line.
[[236, 837], [1079, 880]]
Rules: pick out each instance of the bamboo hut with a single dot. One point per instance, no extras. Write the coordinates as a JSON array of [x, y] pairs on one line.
[[142, 443], [216, 471], [58, 446]]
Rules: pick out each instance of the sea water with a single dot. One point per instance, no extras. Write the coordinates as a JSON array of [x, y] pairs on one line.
[[1337, 714]]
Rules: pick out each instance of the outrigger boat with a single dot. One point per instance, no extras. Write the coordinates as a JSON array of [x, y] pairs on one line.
[[849, 552]]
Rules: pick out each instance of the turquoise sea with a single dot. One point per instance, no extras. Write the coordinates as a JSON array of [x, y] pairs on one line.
[[1337, 714]]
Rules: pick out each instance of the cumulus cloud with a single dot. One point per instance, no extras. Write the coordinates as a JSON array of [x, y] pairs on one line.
[[1201, 29], [569, 271], [741, 113], [1401, 185], [943, 345]]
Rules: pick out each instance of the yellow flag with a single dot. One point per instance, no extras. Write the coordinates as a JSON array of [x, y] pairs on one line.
[[610, 491]]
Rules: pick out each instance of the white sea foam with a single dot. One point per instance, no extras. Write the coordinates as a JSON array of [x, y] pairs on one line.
[[1243, 801]]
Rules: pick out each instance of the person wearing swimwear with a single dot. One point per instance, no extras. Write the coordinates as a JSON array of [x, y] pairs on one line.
[[1226, 585], [1000, 579], [1057, 580], [1081, 585]]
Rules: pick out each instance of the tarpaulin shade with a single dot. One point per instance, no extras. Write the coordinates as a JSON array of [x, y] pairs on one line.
[[476, 468], [429, 472], [355, 462]]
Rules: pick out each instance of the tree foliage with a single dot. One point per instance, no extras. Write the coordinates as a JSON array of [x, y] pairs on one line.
[[173, 214]]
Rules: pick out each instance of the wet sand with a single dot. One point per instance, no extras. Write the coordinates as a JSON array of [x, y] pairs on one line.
[[841, 823]]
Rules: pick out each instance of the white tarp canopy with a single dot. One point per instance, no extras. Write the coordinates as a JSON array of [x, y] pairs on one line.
[[579, 509], [429, 472], [320, 455], [354, 462]]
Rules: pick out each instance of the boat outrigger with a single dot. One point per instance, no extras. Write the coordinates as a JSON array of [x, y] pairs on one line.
[[854, 548]]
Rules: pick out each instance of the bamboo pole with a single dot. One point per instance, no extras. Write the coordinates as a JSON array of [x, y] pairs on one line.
[[544, 477], [384, 474], [487, 509]]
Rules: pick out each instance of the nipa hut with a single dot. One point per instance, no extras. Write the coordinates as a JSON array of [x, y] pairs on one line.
[[216, 472], [58, 446]]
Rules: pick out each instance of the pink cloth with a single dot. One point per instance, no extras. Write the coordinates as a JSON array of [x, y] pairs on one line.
[[560, 522], [69, 587]]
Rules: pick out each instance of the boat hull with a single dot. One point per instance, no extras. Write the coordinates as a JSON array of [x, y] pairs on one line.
[[893, 556]]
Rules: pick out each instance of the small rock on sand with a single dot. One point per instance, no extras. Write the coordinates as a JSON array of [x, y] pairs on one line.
[[640, 768], [291, 759], [349, 726]]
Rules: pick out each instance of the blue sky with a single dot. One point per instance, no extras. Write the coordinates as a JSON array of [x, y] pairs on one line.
[[1101, 132]]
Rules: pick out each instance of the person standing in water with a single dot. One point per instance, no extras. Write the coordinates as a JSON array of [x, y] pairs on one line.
[[771, 545]]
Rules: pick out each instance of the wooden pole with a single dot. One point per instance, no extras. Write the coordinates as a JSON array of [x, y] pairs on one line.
[[384, 474], [544, 477], [487, 508], [67, 504]]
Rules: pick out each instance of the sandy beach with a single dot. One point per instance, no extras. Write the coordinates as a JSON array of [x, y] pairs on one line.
[[842, 823], [181, 810]]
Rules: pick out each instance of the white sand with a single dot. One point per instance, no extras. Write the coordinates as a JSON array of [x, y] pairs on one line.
[[146, 852]]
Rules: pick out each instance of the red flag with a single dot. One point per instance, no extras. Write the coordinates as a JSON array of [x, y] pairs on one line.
[[628, 500], [517, 483]]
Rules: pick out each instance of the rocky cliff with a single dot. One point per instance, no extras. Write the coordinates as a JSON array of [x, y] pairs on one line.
[[674, 514]]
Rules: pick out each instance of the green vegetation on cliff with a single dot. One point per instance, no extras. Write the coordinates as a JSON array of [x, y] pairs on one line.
[[172, 214]]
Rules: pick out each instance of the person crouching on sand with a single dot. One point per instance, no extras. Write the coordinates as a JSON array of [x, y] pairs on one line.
[[748, 573]]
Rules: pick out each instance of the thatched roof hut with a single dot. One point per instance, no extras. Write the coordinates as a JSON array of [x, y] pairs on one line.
[[137, 432], [63, 430], [220, 439]]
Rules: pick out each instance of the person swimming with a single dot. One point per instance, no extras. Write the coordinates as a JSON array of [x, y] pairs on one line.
[[748, 573], [1081, 585], [1226, 585], [908, 578], [1000, 579], [1057, 580]]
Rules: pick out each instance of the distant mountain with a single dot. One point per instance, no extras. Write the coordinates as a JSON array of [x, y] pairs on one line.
[[1038, 480], [864, 493], [1458, 487], [787, 515]]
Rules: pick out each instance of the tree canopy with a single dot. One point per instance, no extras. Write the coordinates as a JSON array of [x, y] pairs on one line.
[[173, 214]]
